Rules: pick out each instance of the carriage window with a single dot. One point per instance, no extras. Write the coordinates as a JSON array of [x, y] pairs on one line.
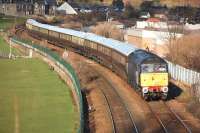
[[53, 33], [119, 58], [93, 45], [44, 30], [36, 28]]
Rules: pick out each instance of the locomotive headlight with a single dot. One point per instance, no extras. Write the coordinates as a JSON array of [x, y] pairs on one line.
[[164, 89], [145, 89]]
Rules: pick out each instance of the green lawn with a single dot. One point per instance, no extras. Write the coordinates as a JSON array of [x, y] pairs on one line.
[[33, 99], [5, 48], [7, 22]]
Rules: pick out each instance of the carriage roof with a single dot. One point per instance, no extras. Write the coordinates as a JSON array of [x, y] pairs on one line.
[[122, 47]]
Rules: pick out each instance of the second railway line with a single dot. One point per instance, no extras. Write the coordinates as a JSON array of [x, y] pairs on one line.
[[169, 120]]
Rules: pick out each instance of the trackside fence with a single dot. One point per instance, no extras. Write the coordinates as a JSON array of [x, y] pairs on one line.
[[64, 66], [182, 74]]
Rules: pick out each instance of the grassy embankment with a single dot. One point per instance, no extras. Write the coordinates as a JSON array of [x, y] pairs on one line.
[[4, 48], [33, 99], [7, 22]]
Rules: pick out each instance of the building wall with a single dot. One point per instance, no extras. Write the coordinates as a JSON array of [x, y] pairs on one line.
[[25, 9], [41, 9], [8, 9], [134, 40], [156, 41], [149, 43], [145, 24], [141, 42], [16, 9], [155, 36]]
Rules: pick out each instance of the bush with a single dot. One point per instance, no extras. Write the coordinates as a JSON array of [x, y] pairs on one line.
[[109, 31], [88, 19], [118, 4], [130, 12], [185, 51]]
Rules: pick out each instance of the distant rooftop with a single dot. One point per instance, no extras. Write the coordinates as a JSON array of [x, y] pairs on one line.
[[153, 20]]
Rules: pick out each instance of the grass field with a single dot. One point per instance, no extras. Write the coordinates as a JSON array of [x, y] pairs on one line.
[[33, 99], [7, 22], [4, 48]]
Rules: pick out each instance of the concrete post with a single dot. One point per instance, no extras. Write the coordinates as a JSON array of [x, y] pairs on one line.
[[10, 52], [30, 53]]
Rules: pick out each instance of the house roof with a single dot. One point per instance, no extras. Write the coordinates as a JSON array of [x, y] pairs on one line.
[[66, 8], [153, 20]]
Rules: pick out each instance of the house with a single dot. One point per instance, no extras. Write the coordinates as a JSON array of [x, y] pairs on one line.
[[27, 7], [152, 23], [145, 15], [42, 7], [192, 26], [65, 8], [160, 16], [16, 8]]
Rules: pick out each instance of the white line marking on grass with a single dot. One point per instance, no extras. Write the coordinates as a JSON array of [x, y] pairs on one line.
[[16, 114]]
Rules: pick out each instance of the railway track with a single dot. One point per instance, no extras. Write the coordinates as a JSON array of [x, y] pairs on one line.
[[120, 116], [169, 120], [128, 118], [122, 120], [178, 118]]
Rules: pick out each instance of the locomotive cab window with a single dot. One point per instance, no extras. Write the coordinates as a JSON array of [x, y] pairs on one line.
[[145, 68]]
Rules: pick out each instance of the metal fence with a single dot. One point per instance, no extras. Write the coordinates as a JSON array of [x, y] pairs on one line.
[[62, 64], [182, 74]]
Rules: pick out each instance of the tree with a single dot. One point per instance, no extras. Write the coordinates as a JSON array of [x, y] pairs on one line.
[[108, 30], [185, 51], [146, 5], [183, 12], [118, 4], [130, 12]]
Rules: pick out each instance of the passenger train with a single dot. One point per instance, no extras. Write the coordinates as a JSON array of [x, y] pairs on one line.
[[144, 71]]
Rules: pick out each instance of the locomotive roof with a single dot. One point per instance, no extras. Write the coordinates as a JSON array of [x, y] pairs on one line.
[[124, 48], [140, 56]]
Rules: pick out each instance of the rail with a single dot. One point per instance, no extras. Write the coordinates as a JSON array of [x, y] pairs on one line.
[[64, 66], [160, 117], [126, 107], [178, 118], [123, 103], [110, 112]]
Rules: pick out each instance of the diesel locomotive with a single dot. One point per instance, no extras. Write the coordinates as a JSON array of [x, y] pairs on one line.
[[144, 71]]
